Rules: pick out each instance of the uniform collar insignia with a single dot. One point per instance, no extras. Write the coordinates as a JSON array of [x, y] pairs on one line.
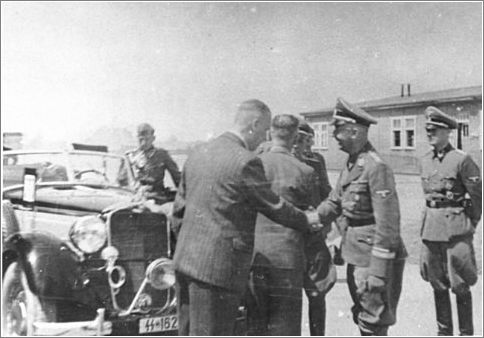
[[443, 152]]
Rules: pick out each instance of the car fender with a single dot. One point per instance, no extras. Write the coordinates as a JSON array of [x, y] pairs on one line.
[[51, 268]]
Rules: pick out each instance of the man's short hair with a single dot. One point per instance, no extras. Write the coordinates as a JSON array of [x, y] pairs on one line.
[[284, 126], [145, 129], [248, 109]]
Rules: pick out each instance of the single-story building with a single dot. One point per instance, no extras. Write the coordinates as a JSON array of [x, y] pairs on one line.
[[399, 136]]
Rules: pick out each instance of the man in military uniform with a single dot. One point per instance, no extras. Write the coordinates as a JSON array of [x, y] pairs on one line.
[[303, 152], [320, 273], [366, 198], [453, 194], [149, 165]]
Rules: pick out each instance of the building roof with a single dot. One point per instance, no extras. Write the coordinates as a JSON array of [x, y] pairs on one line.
[[429, 98]]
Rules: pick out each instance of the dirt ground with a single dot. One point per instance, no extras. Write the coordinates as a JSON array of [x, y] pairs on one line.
[[416, 313]]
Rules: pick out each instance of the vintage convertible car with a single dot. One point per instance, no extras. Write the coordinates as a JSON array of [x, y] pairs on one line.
[[81, 255]]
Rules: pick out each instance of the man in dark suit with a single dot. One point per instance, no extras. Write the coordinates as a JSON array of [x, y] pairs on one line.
[[222, 188], [366, 198], [150, 164], [274, 304]]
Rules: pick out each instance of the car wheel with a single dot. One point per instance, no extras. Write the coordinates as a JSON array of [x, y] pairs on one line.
[[9, 220], [21, 308]]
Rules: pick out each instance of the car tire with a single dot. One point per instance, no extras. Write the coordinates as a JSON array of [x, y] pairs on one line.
[[9, 220], [21, 308]]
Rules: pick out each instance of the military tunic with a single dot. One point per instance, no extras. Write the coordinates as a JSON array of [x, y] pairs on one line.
[[320, 275], [150, 166], [452, 188], [366, 197]]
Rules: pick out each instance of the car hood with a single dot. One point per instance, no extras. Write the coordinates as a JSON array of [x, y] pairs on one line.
[[78, 197]]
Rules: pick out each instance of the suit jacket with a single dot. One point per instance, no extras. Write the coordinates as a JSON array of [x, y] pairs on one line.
[[222, 188], [275, 245], [366, 196], [450, 178]]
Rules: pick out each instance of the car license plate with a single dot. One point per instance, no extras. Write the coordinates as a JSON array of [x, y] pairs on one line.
[[158, 324]]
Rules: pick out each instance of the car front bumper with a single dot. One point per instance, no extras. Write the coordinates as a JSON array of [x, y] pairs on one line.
[[119, 326]]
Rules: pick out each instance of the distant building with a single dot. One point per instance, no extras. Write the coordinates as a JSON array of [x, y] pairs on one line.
[[400, 136], [12, 140]]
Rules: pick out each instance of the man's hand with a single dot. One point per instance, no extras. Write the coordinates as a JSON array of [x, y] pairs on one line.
[[375, 284], [313, 219], [312, 216]]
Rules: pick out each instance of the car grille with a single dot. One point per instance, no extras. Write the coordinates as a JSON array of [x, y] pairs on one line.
[[140, 239]]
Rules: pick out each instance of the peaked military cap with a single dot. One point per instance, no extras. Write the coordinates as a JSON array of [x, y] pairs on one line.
[[438, 119], [305, 128], [145, 129], [344, 112]]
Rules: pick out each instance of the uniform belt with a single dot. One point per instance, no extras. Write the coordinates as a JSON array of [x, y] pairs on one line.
[[443, 204], [353, 222]]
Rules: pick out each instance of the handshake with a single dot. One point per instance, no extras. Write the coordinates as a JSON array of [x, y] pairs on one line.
[[313, 219]]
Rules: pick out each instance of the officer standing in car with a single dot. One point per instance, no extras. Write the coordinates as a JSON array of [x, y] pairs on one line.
[[366, 197], [452, 187], [149, 165]]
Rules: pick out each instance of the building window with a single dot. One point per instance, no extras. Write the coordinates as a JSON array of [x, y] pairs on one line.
[[403, 132], [320, 135], [410, 132], [463, 121], [458, 136]]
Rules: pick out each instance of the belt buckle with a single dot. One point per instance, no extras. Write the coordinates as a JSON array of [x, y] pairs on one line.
[[433, 204]]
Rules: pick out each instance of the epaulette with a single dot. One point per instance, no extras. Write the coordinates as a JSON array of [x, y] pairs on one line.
[[460, 152], [375, 156]]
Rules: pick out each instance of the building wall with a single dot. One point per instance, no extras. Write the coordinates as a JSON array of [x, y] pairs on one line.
[[407, 160]]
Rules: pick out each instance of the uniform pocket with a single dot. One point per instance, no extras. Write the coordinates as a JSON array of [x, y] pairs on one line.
[[365, 234], [457, 222], [360, 195]]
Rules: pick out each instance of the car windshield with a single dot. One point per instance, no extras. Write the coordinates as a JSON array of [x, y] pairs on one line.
[[77, 166]]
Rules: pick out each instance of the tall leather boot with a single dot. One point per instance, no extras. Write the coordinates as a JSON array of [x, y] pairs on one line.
[[464, 311], [317, 314], [443, 310]]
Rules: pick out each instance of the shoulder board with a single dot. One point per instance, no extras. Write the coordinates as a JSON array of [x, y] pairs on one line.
[[310, 160], [460, 152], [375, 156], [161, 151]]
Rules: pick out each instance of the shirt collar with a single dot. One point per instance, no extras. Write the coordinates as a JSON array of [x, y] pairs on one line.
[[279, 149], [236, 133]]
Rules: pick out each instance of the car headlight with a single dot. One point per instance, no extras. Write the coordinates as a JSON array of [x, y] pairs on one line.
[[161, 273], [88, 234]]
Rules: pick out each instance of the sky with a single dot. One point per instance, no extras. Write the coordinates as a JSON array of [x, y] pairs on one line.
[[69, 68]]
